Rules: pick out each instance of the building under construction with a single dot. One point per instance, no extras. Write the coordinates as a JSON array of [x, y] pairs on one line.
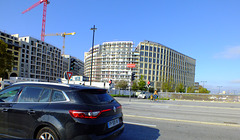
[[110, 61]]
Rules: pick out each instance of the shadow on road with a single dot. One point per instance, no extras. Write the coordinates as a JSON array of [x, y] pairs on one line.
[[138, 132]]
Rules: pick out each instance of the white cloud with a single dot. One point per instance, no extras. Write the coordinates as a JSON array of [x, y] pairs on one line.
[[229, 53]]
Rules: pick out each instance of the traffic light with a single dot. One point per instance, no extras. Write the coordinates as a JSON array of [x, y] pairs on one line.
[[148, 83], [72, 63], [133, 77], [110, 82]]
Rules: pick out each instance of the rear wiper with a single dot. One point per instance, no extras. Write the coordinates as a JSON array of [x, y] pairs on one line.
[[111, 100]]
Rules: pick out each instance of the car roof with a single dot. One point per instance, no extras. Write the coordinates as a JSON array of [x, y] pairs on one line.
[[57, 85]]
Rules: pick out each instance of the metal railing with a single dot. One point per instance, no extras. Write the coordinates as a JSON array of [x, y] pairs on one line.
[[201, 97]]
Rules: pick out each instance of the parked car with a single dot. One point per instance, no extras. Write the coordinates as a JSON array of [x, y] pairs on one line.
[[58, 111], [144, 95]]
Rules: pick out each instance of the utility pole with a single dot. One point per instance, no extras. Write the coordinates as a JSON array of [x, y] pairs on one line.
[[92, 53]]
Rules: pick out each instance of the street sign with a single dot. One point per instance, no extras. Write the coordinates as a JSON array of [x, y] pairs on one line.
[[69, 75], [131, 65]]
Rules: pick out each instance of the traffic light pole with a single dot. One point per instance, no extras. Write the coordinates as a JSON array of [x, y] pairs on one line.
[[130, 85]]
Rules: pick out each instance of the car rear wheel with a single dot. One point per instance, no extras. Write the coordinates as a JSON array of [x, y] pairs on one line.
[[47, 133]]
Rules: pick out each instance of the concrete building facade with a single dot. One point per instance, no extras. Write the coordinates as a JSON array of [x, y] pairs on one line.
[[110, 61], [14, 47], [40, 60]]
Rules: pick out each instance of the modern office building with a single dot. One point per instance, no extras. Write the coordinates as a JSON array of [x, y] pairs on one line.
[[14, 47], [110, 61], [159, 64], [78, 68]]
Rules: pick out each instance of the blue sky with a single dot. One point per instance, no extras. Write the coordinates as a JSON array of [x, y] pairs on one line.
[[206, 30]]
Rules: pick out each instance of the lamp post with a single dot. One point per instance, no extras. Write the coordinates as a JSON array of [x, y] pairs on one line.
[[92, 53], [219, 89], [203, 83]]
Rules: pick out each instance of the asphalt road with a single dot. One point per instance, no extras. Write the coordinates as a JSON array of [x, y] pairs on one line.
[[180, 120]]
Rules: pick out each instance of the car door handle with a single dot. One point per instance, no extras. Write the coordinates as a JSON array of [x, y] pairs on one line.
[[30, 112]]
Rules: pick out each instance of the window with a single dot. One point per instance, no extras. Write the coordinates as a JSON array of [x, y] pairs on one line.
[[155, 49], [9, 94], [149, 78], [45, 96], [146, 59], [146, 53], [30, 94], [150, 54], [151, 48], [141, 53], [145, 71], [154, 60], [150, 66], [146, 65], [154, 54], [142, 47], [146, 47], [150, 59], [58, 96], [149, 72], [141, 65]]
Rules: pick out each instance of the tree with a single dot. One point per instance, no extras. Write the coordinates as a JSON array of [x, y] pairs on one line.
[[121, 84], [168, 86], [203, 90], [180, 88], [134, 86], [142, 84], [190, 89], [6, 59]]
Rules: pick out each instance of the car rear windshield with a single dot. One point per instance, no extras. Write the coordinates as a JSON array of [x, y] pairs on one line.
[[95, 96]]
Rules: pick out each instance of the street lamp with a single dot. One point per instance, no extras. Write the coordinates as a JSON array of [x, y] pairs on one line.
[[92, 53], [219, 89], [203, 83]]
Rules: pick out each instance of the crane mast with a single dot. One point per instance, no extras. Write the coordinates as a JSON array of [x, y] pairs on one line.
[[45, 2]]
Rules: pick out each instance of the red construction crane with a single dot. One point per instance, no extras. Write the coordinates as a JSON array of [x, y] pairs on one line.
[[45, 2]]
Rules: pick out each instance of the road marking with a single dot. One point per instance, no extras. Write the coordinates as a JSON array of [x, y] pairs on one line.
[[186, 121], [142, 124], [229, 108]]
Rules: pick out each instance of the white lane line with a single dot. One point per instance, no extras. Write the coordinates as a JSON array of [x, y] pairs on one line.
[[186, 121], [142, 124]]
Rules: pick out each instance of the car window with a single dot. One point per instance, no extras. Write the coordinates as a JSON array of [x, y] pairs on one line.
[[58, 96], [30, 94], [45, 96], [9, 94], [95, 97]]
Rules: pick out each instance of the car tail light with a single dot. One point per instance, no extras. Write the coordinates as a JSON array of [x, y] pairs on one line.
[[86, 114], [119, 107]]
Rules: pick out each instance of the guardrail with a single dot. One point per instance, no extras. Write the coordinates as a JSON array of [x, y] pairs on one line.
[[201, 97]]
